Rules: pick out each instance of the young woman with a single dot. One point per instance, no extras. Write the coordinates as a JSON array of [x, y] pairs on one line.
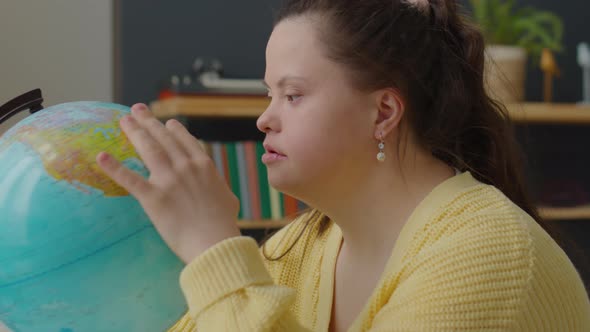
[[379, 121]]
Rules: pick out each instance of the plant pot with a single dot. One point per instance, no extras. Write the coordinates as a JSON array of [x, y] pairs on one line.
[[505, 73]]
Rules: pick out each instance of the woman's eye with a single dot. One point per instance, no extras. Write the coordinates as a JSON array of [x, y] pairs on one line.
[[292, 98]]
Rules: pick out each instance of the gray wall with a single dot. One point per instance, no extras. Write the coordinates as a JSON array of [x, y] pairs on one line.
[[158, 39], [64, 47]]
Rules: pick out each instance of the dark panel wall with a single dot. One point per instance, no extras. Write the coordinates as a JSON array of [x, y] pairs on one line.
[[157, 39]]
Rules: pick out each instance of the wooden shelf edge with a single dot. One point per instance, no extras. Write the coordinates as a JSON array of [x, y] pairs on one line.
[[253, 106], [547, 212], [248, 107], [262, 224], [565, 213], [550, 113]]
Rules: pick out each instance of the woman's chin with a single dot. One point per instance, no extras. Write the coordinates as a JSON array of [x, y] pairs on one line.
[[277, 181], [284, 183]]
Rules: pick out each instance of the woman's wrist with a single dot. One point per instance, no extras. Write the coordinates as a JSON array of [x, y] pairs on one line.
[[207, 240]]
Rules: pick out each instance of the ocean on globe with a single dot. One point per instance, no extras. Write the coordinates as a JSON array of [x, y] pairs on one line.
[[77, 252]]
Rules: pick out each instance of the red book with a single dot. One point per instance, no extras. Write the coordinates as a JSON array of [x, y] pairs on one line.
[[291, 206]]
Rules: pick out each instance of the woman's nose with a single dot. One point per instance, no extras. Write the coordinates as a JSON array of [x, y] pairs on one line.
[[268, 121]]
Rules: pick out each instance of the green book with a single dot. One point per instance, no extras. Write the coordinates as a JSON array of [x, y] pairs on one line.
[[275, 204], [282, 204], [263, 181], [234, 174]]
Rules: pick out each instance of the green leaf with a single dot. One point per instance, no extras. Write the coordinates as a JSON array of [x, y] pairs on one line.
[[533, 29]]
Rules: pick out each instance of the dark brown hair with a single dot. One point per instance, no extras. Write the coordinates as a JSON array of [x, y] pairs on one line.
[[428, 51]]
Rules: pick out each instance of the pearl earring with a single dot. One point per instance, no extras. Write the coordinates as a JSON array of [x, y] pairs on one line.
[[381, 154]]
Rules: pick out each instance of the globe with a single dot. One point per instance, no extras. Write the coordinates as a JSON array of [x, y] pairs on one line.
[[77, 252]]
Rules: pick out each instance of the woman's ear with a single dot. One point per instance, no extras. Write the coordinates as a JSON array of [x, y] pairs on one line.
[[390, 108]]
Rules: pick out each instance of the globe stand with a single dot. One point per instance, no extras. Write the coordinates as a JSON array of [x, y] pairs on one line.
[[31, 101]]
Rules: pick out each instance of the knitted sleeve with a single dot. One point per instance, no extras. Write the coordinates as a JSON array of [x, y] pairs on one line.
[[228, 288]]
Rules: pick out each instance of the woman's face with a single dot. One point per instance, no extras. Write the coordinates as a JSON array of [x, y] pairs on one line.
[[319, 128]]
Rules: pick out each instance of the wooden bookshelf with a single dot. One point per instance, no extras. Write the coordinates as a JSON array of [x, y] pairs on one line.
[[210, 106], [253, 106], [550, 113], [565, 213], [548, 213]]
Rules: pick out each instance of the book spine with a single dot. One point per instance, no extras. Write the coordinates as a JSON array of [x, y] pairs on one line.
[[243, 176], [263, 183], [290, 203], [225, 162], [234, 175], [275, 204], [217, 156], [253, 183], [282, 204]]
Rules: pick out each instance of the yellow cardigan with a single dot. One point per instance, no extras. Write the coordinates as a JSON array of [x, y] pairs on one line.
[[467, 259]]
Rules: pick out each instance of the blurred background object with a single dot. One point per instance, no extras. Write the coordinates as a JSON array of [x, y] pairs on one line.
[[206, 78], [513, 33], [584, 62], [550, 70]]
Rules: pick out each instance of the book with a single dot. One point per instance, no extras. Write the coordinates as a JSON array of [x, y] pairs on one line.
[[240, 164], [263, 181], [253, 181], [243, 177], [234, 175]]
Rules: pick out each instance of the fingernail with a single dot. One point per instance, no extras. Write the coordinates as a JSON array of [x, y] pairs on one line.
[[104, 157], [138, 109]]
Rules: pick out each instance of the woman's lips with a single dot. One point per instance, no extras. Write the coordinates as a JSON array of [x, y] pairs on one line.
[[272, 155]]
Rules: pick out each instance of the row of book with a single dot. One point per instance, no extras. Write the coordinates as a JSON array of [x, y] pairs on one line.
[[240, 164]]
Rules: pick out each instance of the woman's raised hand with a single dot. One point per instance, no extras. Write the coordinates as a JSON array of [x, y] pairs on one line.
[[187, 200]]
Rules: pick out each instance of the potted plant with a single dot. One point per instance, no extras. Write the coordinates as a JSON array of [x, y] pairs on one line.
[[511, 36]]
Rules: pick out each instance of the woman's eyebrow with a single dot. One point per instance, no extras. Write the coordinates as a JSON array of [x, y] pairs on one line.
[[285, 79]]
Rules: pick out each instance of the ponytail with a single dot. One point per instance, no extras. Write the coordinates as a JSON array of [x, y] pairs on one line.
[[485, 144]]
